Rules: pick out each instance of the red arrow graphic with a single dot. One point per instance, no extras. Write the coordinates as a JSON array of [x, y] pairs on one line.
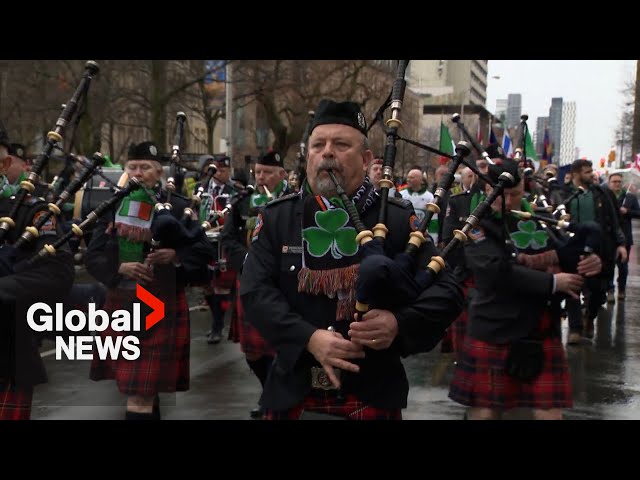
[[154, 302]]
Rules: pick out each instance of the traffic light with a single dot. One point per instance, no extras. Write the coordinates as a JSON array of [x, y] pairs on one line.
[[612, 156]]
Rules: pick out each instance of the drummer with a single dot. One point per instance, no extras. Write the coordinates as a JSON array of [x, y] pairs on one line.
[[218, 193]]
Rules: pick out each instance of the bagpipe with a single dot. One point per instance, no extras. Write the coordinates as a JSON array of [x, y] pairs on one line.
[[92, 218], [54, 209], [561, 209], [572, 240], [53, 138], [531, 182], [170, 186], [214, 216], [196, 198]]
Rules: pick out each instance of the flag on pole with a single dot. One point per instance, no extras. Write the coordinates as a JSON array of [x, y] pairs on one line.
[[479, 134], [446, 144], [546, 147], [492, 137], [530, 149], [636, 163], [506, 143]]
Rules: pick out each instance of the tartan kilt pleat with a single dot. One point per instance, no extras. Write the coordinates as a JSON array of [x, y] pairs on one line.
[[163, 364], [349, 406], [251, 342], [480, 379], [15, 402]]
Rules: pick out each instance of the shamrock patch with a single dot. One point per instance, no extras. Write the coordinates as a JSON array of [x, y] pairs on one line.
[[527, 235], [331, 235], [259, 199]]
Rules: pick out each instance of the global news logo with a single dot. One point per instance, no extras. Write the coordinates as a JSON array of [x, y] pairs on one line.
[[42, 318]]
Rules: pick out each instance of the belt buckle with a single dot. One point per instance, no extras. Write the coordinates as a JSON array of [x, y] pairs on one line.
[[320, 380]]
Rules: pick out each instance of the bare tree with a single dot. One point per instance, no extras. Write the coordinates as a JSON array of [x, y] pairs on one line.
[[624, 133], [283, 91]]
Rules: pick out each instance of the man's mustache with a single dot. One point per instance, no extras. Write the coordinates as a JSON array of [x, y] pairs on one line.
[[329, 165]]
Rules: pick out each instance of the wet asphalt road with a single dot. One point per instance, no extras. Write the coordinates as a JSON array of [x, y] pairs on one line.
[[605, 375]]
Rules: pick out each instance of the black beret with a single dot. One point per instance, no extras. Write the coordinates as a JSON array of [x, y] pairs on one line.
[[344, 113], [143, 151], [18, 150], [271, 159], [222, 161], [495, 150], [507, 165]]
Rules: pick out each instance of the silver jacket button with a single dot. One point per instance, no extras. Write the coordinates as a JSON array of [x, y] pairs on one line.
[[292, 268]]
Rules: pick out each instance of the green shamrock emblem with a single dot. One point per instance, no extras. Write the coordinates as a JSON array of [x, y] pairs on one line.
[[331, 234], [528, 235], [258, 200]]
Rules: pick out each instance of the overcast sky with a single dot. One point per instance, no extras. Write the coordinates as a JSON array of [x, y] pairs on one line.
[[594, 85]]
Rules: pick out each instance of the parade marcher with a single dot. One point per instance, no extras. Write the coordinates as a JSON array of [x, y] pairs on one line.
[[218, 291], [299, 294], [596, 204], [294, 181], [236, 235], [48, 281], [120, 256], [457, 208], [374, 171], [419, 195], [629, 208], [513, 355]]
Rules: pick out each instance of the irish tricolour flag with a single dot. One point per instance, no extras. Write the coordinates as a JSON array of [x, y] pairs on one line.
[[133, 208]]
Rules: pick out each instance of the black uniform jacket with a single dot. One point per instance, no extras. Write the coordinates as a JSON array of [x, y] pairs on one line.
[[630, 202], [48, 280], [287, 319], [102, 259], [508, 299]]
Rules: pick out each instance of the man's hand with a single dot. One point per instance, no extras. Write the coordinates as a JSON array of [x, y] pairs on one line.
[[331, 350], [376, 330], [621, 253], [590, 265], [162, 256], [569, 283], [136, 271], [623, 210]]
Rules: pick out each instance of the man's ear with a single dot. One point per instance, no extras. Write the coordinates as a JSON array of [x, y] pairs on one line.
[[6, 163], [367, 158]]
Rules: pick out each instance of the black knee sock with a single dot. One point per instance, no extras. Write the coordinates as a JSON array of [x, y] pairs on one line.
[[217, 314], [261, 367], [139, 416]]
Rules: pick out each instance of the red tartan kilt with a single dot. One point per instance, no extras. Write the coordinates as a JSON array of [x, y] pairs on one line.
[[251, 342], [327, 402], [480, 380], [225, 280], [15, 402], [163, 364]]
